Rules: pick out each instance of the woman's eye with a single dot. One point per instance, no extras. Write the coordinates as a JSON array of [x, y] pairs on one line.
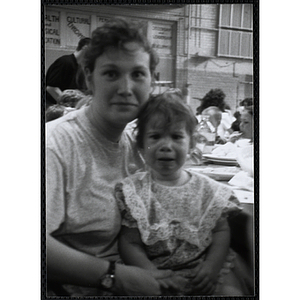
[[110, 74]]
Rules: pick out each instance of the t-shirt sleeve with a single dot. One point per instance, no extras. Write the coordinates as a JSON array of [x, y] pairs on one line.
[[127, 219], [55, 200]]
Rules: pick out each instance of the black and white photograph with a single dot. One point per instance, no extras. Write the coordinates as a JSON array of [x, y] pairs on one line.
[[130, 166], [150, 116]]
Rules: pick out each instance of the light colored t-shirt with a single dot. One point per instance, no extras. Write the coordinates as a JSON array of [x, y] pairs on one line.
[[82, 167]]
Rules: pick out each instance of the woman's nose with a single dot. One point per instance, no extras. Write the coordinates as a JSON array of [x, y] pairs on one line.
[[125, 86]]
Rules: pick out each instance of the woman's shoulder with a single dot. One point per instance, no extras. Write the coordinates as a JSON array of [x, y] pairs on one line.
[[62, 132], [65, 122]]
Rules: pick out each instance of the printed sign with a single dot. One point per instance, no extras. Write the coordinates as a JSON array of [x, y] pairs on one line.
[[78, 27], [162, 38], [101, 21], [52, 34]]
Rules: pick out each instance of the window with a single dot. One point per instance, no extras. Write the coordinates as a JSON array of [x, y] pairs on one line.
[[236, 30]]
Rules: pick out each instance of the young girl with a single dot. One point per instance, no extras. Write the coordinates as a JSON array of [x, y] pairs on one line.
[[174, 219]]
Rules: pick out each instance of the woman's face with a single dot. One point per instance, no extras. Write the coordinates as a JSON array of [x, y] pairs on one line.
[[165, 150], [246, 125], [121, 83]]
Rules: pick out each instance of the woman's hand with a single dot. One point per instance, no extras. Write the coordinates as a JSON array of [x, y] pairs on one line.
[[205, 279], [134, 281]]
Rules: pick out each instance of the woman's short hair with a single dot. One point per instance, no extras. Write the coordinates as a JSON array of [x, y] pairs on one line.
[[215, 97], [169, 109], [116, 32]]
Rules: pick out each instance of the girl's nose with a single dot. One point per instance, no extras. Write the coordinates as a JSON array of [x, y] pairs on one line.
[[125, 86], [166, 146]]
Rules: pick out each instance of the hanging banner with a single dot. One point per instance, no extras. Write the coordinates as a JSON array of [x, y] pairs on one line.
[[162, 38], [52, 34], [78, 27]]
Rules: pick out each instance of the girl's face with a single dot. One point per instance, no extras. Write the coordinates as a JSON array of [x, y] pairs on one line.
[[121, 83], [164, 150], [246, 125]]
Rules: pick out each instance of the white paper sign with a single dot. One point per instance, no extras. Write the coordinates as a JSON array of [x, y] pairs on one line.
[[52, 34]]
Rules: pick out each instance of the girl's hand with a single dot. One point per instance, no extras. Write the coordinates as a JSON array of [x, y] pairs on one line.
[[205, 279], [168, 280]]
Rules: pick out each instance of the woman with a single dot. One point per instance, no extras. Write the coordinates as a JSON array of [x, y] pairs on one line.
[[88, 151]]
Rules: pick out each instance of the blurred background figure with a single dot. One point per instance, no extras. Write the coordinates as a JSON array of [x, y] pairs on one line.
[[244, 104], [215, 117], [70, 98], [66, 73], [215, 97], [54, 112]]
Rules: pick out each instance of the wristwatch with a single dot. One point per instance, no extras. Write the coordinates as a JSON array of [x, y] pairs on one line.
[[107, 281]]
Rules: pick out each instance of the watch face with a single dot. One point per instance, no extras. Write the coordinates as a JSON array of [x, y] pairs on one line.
[[107, 282]]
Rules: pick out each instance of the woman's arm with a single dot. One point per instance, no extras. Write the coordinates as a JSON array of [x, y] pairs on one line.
[[67, 265]]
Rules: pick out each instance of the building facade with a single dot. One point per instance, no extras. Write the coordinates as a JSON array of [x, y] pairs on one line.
[[201, 46]]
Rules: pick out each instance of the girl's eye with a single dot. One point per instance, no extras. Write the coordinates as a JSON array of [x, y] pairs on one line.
[[154, 136], [138, 74], [177, 136]]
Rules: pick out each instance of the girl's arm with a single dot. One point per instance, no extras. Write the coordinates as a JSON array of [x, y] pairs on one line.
[[132, 249], [206, 273], [219, 247]]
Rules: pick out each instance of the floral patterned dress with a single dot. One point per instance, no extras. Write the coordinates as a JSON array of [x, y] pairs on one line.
[[176, 223]]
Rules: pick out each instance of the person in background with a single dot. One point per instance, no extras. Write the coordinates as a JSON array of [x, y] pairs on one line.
[[235, 126], [215, 97], [247, 102], [174, 219], [87, 152], [245, 126], [70, 98], [215, 118], [66, 73], [84, 102], [54, 112]]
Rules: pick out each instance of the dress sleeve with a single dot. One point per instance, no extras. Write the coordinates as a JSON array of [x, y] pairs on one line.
[[127, 219], [233, 207]]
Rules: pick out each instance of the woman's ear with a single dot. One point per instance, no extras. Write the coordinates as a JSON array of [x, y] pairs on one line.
[[88, 78]]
